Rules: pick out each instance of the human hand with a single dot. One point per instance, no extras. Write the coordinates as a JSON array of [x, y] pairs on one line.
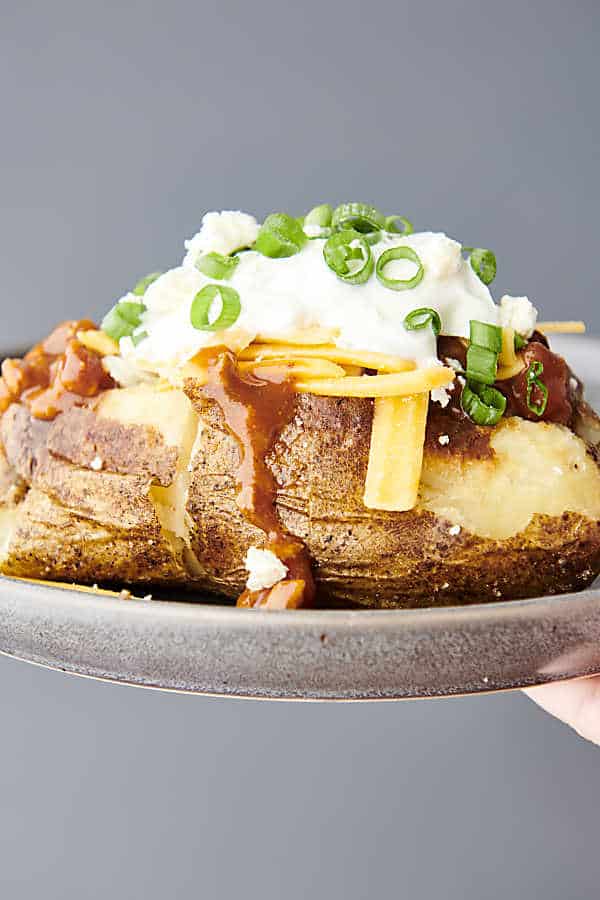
[[577, 703]]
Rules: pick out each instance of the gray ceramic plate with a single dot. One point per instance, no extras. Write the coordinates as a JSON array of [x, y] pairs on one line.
[[324, 655]]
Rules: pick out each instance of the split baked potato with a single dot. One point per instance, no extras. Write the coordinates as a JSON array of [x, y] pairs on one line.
[[330, 410], [141, 490]]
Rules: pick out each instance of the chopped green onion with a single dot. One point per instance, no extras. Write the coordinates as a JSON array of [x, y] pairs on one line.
[[485, 335], [202, 305], [399, 284], [482, 364], [348, 255], [483, 263], [392, 228], [421, 318], [317, 222], [520, 342], [214, 265], [357, 217], [122, 320], [534, 371], [319, 216], [280, 236], [138, 338], [144, 283], [484, 405]]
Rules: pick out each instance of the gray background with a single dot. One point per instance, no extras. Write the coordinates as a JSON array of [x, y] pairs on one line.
[[120, 124]]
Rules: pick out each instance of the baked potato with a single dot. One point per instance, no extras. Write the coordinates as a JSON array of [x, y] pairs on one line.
[[142, 490], [450, 459]]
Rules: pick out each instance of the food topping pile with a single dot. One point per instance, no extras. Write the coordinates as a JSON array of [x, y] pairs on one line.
[[345, 302]]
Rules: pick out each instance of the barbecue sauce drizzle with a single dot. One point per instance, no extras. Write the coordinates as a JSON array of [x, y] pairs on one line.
[[256, 410]]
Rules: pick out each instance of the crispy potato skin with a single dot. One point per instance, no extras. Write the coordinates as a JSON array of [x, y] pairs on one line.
[[363, 557], [77, 524]]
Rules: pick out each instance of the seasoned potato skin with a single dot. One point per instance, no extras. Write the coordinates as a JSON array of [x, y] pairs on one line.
[[78, 524], [363, 557]]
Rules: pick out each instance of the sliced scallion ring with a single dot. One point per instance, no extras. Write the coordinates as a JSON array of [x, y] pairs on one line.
[[348, 255], [280, 236], [485, 335], [320, 216], [214, 265], [520, 342], [392, 228], [138, 338], [399, 284], [202, 305], [357, 217], [122, 320], [144, 283], [534, 382], [483, 263], [483, 404], [421, 318], [482, 364]]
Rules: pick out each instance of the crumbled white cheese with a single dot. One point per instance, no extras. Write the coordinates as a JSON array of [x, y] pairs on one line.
[[96, 464], [444, 440], [454, 363], [441, 396], [264, 569], [455, 530], [221, 232], [518, 313]]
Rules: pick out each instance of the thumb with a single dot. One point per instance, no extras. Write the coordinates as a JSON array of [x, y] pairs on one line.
[[577, 703]]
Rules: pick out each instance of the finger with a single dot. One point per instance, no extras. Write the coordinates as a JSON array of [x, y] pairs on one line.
[[577, 703]]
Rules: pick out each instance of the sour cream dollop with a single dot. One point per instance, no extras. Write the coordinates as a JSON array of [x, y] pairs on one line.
[[280, 297]]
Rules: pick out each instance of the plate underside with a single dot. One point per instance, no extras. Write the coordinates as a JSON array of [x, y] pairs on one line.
[[309, 655]]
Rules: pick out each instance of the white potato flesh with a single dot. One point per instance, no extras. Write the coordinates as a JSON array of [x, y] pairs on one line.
[[538, 468]]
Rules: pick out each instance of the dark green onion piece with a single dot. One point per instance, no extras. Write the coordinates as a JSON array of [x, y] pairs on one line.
[[343, 251], [484, 405], [203, 301], [144, 283], [214, 265], [357, 217], [123, 319], [483, 263], [520, 342], [400, 284], [392, 228], [280, 236], [421, 318], [320, 216], [533, 382], [485, 335], [482, 364]]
